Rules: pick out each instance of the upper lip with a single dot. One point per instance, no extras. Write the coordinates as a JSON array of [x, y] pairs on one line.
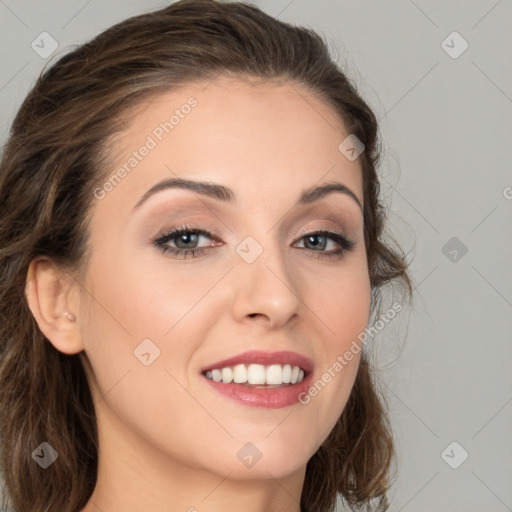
[[264, 358]]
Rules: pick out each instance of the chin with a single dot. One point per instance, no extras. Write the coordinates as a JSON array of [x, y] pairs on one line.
[[264, 458]]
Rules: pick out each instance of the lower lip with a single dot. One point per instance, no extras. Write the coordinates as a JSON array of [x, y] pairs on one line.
[[270, 398]]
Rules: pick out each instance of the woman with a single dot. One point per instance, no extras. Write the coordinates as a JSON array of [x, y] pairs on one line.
[[191, 252]]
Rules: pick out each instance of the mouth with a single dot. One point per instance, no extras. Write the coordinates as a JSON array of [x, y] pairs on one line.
[[264, 379], [258, 375], [257, 368]]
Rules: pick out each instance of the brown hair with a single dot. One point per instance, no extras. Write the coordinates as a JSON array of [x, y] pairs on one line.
[[50, 166]]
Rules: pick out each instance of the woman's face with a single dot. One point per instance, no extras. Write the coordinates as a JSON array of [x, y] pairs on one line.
[[160, 310]]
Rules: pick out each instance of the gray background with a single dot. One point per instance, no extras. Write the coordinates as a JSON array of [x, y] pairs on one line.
[[446, 124]]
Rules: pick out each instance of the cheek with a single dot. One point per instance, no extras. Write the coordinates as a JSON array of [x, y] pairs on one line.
[[345, 309], [342, 304], [141, 300], [341, 301]]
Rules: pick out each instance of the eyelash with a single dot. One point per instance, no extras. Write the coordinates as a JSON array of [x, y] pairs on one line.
[[345, 244]]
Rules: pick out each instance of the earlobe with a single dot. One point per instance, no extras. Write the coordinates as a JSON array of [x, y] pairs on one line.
[[69, 316], [51, 298]]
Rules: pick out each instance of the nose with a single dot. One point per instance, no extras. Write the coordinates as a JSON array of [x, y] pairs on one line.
[[266, 291]]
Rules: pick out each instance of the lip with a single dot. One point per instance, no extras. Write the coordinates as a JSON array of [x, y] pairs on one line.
[[266, 359], [270, 398]]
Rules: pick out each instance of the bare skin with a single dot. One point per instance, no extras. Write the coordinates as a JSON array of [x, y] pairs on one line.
[[168, 441]]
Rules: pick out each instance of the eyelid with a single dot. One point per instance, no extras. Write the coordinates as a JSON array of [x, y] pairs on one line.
[[308, 231], [202, 229], [200, 226]]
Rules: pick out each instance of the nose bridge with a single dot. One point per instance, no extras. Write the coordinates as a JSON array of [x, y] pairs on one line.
[[265, 284]]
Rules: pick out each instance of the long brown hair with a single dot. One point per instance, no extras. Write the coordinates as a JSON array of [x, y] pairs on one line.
[[50, 166]]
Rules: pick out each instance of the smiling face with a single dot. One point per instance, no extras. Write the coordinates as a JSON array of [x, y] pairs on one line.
[[162, 308]]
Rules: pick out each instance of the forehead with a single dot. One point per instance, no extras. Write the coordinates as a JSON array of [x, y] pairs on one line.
[[253, 135]]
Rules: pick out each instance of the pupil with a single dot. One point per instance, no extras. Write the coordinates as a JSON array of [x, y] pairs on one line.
[[183, 238], [311, 239]]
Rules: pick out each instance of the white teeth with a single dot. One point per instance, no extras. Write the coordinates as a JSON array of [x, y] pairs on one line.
[[240, 374], [217, 375], [257, 374], [227, 375], [287, 373], [274, 374]]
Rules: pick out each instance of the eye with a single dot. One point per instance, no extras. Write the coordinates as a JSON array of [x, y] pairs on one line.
[[319, 241], [184, 241]]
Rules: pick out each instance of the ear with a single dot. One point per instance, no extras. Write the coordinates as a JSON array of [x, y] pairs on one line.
[[53, 299]]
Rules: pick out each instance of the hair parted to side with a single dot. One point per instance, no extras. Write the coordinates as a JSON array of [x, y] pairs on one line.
[[50, 166]]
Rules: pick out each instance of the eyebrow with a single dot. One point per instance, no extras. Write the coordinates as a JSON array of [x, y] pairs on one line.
[[225, 194]]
